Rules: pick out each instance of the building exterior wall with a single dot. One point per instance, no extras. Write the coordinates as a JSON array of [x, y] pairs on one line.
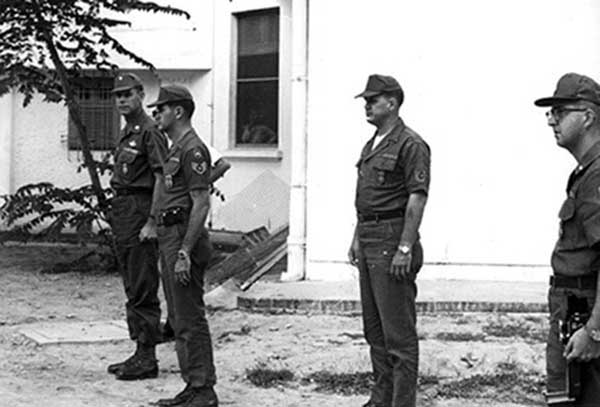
[[196, 53], [470, 70]]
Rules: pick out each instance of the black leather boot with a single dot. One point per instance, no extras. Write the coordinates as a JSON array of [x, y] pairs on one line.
[[144, 366]]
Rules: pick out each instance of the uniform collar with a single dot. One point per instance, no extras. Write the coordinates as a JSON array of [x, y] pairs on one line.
[[183, 140], [589, 157], [392, 137], [135, 125]]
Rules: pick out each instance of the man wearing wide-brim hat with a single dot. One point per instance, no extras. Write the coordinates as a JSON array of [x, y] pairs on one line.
[[574, 294], [391, 193]]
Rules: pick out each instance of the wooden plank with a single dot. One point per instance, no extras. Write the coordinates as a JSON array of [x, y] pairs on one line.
[[264, 266]]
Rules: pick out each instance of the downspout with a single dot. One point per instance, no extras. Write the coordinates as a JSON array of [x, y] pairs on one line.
[[296, 242], [6, 143]]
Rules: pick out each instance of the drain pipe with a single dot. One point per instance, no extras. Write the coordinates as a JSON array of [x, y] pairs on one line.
[[296, 242], [6, 142]]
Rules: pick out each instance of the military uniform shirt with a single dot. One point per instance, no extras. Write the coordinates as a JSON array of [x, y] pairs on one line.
[[387, 174], [187, 167], [577, 251], [139, 154]]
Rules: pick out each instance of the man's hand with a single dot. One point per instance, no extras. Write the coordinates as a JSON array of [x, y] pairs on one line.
[[354, 252], [400, 267], [148, 230], [182, 268], [581, 347]]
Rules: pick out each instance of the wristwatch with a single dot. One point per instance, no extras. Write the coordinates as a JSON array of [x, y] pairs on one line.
[[593, 333], [404, 249]]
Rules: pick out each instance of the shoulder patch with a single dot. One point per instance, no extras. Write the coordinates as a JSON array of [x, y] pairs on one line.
[[199, 168], [421, 176]]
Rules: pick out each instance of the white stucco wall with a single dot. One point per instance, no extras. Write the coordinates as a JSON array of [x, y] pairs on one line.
[[470, 70]]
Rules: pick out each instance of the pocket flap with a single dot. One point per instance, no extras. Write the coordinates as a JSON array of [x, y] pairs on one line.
[[567, 210], [172, 166], [385, 163], [127, 155]]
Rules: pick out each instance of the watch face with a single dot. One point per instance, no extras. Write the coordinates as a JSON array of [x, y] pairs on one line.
[[595, 334], [404, 249]]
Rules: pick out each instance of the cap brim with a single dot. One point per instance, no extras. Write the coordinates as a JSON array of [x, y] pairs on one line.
[[368, 94], [157, 103], [122, 88], [553, 101]]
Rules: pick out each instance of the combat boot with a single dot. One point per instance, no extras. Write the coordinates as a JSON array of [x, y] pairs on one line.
[[179, 400], [144, 366], [115, 367], [202, 397]]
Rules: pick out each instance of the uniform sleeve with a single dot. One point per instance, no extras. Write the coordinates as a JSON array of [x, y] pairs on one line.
[[415, 159], [156, 147], [196, 168], [589, 210]]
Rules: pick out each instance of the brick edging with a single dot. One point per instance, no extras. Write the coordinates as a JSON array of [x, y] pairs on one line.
[[353, 306]]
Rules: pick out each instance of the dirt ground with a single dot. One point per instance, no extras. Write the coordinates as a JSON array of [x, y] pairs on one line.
[[467, 360]]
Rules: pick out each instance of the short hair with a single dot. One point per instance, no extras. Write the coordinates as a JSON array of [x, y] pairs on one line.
[[187, 105], [396, 94]]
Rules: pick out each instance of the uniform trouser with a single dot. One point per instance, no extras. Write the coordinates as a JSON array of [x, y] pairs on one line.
[[389, 314], [138, 265], [555, 362], [186, 305]]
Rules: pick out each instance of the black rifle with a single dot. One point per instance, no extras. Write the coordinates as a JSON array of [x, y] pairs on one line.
[[577, 316]]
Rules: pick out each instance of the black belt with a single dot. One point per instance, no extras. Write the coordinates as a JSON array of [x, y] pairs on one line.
[[170, 217], [132, 191], [368, 217], [583, 282]]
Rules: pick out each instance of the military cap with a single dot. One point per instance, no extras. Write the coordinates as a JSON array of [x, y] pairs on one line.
[[126, 81], [572, 87], [378, 84], [172, 93]]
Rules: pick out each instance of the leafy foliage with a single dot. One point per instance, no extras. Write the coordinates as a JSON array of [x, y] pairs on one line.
[[47, 210], [77, 30]]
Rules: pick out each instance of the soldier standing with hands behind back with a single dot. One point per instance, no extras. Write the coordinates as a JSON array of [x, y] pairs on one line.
[[391, 192], [574, 116], [184, 246], [138, 157]]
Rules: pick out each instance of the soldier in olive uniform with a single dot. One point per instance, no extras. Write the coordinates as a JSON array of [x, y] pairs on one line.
[[138, 158], [574, 116], [391, 192], [184, 245]]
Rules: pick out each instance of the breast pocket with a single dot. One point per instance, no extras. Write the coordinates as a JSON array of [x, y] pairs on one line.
[[385, 169], [570, 235], [125, 162], [171, 168]]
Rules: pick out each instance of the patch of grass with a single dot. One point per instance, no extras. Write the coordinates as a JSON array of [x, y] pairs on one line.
[[509, 384], [262, 376], [515, 330], [460, 337], [357, 383]]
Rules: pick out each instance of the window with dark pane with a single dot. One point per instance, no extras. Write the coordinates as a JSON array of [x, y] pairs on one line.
[[257, 82], [98, 113]]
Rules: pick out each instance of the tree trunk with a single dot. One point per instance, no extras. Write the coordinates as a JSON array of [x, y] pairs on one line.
[[72, 105]]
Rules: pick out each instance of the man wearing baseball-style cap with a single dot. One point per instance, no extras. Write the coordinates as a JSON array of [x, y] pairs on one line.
[[574, 117], [184, 245], [391, 193], [138, 159]]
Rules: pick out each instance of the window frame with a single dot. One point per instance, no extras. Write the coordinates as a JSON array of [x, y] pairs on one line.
[[234, 146], [91, 81]]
